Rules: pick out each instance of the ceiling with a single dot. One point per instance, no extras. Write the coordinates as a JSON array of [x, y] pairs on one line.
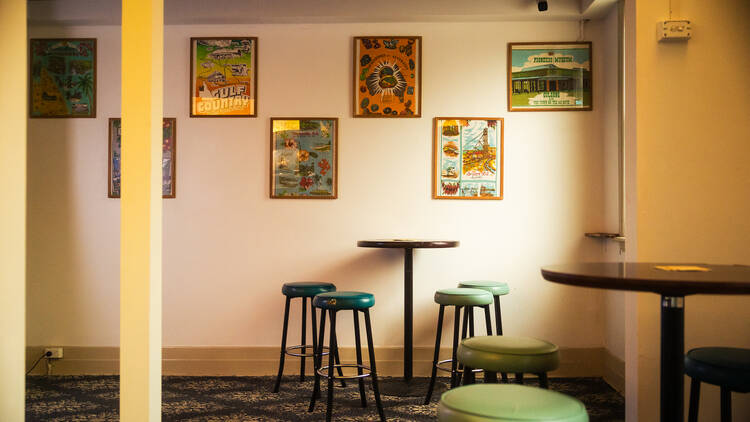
[[107, 12]]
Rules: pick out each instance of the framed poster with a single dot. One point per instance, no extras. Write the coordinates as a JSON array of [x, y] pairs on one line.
[[467, 158], [63, 77], [387, 76], [304, 160], [223, 77], [549, 76], [168, 160]]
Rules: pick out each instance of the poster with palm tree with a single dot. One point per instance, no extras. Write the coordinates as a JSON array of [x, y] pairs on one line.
[[63, 77]]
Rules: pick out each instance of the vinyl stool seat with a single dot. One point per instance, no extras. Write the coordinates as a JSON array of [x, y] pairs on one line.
[[306, 288], [496, 288], [727, 367], [509, 354], [463, 297], [344, 300], [508, 403]]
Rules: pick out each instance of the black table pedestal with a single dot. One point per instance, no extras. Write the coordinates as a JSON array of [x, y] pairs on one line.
[[408, 313], [672, 358]]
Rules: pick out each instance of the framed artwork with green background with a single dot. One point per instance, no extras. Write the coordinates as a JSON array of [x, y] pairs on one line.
[[551, 76], [63, 77]]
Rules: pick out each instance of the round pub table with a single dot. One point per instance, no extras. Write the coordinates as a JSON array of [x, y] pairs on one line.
[[673, 282], [408, 245]]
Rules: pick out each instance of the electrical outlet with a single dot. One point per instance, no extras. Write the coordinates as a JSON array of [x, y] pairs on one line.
[[55, 352]]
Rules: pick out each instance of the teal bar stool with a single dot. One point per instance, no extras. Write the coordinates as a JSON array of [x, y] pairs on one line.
[[496, 289], [357, 302], [460, 298], [519, 355], [304, 290], [508, 403], [727, 367]]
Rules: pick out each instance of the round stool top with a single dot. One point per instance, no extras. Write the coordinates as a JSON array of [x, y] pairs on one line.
[[306, 288], [497, 288], [724, 366], [463, 296], [508, 354], [508, 402], [344, 300]]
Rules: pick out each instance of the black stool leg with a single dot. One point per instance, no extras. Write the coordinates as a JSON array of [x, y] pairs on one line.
[[454, 358], [695, 398], [490, 377], [318, 360], [726, 405], [314, 331], [374, 372], [498, 317], [471, 321], [543, 380], [468, 376], [358, 347], [338, 362], [487, 320], [437, 354], [304, 338], [519, 377], [333, 346], [283, 345]]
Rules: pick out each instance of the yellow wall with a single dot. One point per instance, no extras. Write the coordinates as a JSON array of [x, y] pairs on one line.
[[13, 210], [693, 178]]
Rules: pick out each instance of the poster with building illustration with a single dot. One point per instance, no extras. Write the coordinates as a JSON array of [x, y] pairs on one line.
[[549, 76], [304, 158], [223, 77], [387, 76], [169, 156], [63, 77], [468, 158]]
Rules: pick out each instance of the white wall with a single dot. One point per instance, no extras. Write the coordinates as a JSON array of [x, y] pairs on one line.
[[228, 247]]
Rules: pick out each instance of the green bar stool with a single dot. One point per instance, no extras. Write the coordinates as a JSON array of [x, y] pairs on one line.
[[508, 402], [497, 289], [357, 302], [727, 367], [459, 298], [304, 290], [519, 355]]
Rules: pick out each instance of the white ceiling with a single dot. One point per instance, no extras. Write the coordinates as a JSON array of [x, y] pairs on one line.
[[107, 12]]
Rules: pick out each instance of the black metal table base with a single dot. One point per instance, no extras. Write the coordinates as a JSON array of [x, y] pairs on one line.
[[672, 358]]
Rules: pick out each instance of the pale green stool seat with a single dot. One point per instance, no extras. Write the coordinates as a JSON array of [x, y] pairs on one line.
[[463, 297], [496, 288], [509, 403], [509, 354]]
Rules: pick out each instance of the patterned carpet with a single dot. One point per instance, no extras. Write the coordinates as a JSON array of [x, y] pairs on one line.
[[95, 398]]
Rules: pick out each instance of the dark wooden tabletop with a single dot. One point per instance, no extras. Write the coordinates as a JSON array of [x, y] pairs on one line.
[[644, 276], [407, 243]]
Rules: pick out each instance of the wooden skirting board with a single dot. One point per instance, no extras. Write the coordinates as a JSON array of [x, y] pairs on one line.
[[259, 361]]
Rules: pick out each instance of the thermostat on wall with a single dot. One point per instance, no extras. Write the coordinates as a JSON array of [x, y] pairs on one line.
[[673, 30]]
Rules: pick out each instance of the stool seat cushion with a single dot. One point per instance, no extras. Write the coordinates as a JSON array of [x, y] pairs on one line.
[[344, 300], [496, 288], [508, 354], [724, 366], [306, 288], [508, 402], [463, 297]]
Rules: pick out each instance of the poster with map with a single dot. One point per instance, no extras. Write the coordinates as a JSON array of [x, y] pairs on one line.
[[549, 76], [169, 155], [468, 158], [63, 77], [304, 158], [223, 77], [387, 76]]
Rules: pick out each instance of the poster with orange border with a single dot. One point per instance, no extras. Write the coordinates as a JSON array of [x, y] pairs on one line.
[[388, 76], [223, 77]]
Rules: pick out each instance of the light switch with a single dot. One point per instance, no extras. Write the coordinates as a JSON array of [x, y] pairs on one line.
[[673, 30]]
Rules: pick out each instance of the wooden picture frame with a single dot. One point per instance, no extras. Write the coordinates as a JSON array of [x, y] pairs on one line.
[[467, 159], [304, 157], [387, 76], [223, 77], [550, 76], [62, 78], [169, 158]]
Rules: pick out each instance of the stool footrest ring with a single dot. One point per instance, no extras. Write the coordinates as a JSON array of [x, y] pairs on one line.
[[458, 371], [303, 348], [323, 371]]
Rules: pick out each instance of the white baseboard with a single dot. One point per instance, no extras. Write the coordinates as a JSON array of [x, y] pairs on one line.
[[614, 371], [258, 361]]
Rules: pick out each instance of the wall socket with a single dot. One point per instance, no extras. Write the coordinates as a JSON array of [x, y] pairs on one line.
[[56, 352]]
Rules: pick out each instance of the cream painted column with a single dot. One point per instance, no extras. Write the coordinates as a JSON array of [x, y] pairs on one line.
[[13, 106], [140, 245]]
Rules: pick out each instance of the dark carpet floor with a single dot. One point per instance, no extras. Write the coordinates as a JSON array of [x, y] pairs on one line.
[[95, 398]]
